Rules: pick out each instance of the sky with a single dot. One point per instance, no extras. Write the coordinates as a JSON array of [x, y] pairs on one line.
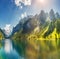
[[11, 11]]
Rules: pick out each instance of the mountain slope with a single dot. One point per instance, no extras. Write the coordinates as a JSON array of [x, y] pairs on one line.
[[1, 35], [53, 30]]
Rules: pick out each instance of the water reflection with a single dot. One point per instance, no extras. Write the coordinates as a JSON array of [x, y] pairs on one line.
[[8, 52], [8, 46]]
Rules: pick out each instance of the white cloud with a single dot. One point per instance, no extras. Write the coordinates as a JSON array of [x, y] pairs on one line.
[[18, 2], [25, 2], [23, 15], [7, 29]]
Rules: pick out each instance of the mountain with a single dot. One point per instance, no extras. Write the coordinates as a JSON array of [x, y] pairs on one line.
[[57, 15], [2, 35], [46, 23], [17, 27], [20, 25], [53, 29], [30, 25], [52, 14]]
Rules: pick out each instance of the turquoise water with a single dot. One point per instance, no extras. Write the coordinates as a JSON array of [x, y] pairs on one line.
[[8, 52]]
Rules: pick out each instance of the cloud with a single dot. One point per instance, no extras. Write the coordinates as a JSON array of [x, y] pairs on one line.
[[7, 29], [18, 2], [23, 15], [25, 2]]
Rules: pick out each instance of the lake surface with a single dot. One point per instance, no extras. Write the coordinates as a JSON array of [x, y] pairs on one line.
[[7, 51]]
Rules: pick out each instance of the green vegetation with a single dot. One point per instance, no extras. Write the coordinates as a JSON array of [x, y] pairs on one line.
[[1, 38]]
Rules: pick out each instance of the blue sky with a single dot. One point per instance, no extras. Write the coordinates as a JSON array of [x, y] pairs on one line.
[[11, 11]]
